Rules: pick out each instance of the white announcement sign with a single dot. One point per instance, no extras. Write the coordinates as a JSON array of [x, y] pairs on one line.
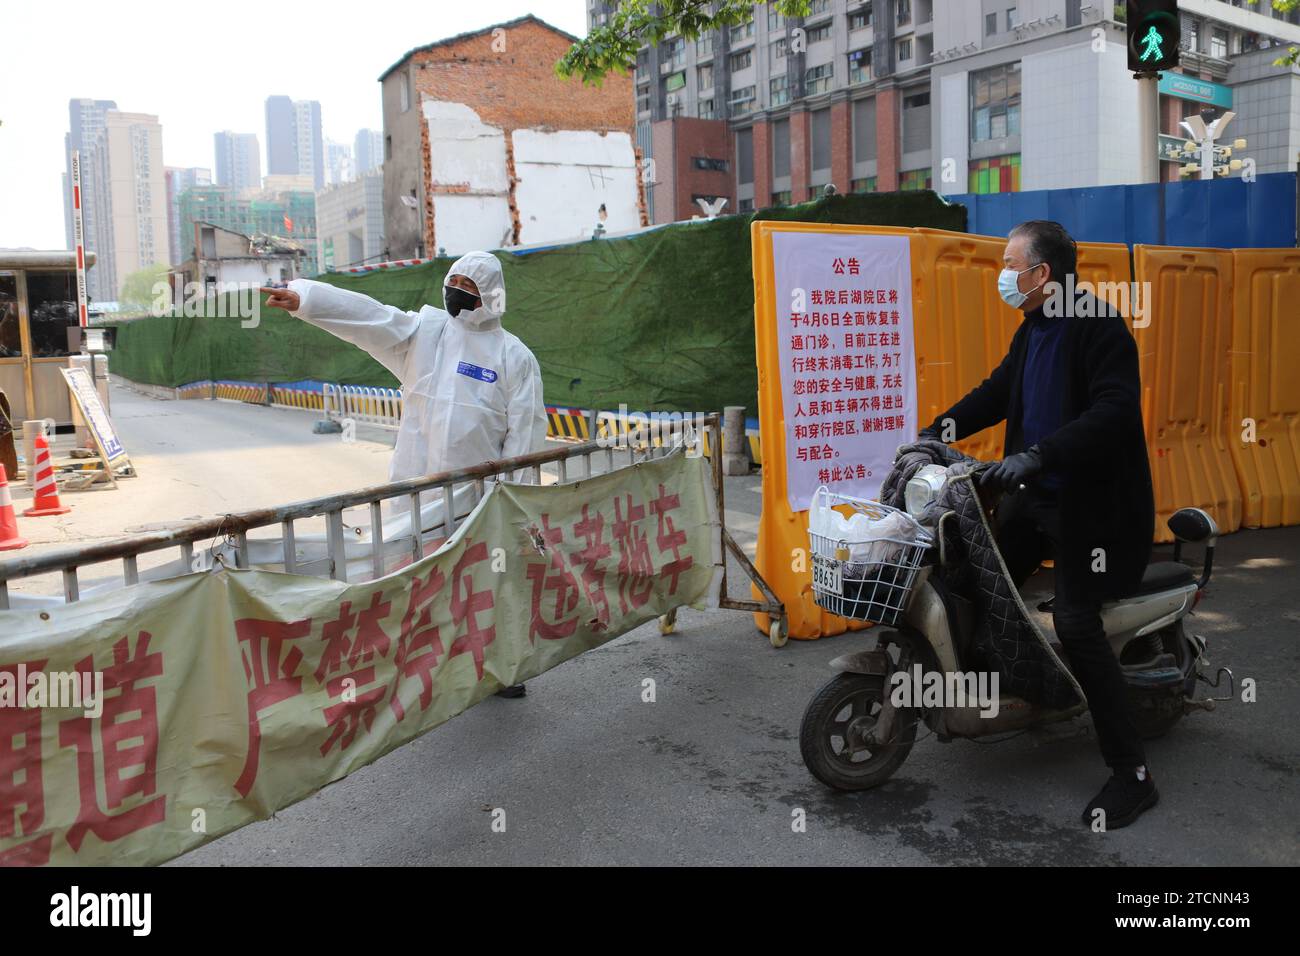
[[848, 366]]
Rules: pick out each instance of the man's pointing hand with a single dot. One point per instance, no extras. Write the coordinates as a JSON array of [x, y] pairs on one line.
[[285, 299]]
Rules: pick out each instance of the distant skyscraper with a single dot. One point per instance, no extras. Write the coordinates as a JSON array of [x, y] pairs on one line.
[[339, 167], [294, 145], [85, 121], [239, 160], [281, 137], [130, 198], [179, 180], [368, 150]]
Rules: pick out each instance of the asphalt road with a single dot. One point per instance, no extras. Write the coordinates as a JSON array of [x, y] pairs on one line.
[[710, 773]]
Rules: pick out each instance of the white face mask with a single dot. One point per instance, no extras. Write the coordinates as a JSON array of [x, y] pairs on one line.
[[1009, 286]]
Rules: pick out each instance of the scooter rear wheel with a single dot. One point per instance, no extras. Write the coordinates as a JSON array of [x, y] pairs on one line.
[[837, 737]]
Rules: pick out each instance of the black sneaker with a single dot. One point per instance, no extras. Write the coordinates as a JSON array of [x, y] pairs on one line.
[[1124, 798], [514, 690]]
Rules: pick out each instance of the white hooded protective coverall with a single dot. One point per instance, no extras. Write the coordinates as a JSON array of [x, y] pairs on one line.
[[471, 391]]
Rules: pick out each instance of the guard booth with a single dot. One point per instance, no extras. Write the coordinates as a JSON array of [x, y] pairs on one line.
[[38, 306]]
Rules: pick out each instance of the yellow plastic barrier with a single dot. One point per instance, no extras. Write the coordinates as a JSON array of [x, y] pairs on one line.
[[1264, 387], [1184, 361]]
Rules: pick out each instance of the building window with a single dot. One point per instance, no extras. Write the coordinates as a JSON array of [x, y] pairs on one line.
[[674, 52], [1192, 35], [704, 45], [704, 109], [741, 60], [1073, 13], [904, 12], [990, 24], [777, 51], [711, 164], [782, 198], [904, 49], [404, 92], [998, 174], [643, 99], [860, 19], [860, 66], [916, 122], [780, 149], [741, 31], [914, 179], [778, 90], [864, 130], [388, 147], [742, 101], [820, 134], [818, 79], [704, 77], [774, 20], [1219, 43], [820, 32], [865, 185], [745, 205], [1013, 18], [744, 156], [995, 102]]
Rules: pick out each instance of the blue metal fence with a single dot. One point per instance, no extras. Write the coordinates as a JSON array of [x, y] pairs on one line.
[[1219, 213]]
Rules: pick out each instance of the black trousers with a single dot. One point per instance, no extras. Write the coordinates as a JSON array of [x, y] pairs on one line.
[[1027, 524]]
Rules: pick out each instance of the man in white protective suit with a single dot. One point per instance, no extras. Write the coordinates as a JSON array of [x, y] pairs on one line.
[[471, 391]]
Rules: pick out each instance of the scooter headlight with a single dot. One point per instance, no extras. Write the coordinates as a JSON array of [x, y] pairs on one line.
[[923, 487]]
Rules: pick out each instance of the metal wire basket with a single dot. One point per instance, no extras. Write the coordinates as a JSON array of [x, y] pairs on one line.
[[867, 579]]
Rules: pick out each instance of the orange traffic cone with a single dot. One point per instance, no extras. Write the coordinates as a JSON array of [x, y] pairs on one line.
[[9, 540], [47, 492]]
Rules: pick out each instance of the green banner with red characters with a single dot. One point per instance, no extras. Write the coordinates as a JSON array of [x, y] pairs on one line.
[[141, 723]]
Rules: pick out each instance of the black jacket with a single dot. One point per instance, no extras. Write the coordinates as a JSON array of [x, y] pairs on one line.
[[1106, 498]]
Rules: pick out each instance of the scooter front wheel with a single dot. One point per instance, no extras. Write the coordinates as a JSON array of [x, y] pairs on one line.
[[847, 739]]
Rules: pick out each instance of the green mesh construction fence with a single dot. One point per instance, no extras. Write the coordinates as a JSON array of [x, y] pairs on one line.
[[661, 320]]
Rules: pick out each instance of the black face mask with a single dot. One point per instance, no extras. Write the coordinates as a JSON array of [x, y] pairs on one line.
[[458, 299]]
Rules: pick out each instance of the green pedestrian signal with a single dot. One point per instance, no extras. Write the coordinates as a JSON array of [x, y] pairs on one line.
[[1154, 34], [1152, 42]]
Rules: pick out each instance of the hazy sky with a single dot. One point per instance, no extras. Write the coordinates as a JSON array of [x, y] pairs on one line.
[[200, 69]]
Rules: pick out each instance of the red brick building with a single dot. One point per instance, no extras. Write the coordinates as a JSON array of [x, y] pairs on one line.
[[485, 146]]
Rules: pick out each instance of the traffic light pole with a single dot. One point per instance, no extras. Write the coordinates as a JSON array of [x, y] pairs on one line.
[[1148, 126]]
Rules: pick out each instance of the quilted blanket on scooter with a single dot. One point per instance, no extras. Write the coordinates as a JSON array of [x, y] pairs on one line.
[[1005, 635]]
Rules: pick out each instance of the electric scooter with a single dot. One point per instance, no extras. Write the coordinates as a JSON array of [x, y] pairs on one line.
[[853, 737]]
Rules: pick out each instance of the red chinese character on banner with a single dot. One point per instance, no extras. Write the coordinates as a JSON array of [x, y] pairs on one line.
[[271, 665], [355, 706], [127, 758], [553, 576], [591, 530], [418, 645], [670, 537], [466, 603], [22, 790], [635, 566]]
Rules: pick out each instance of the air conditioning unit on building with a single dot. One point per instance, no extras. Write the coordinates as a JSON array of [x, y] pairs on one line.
[[671, 100]]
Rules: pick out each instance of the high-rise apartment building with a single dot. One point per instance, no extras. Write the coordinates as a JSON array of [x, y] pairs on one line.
[[294, 145], [238, 160], [85, 121], [130, 198], [367, 151], [339, 165], [969, 96]]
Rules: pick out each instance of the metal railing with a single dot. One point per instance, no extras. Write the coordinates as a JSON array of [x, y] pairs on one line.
[[458, 492], [363, 403]]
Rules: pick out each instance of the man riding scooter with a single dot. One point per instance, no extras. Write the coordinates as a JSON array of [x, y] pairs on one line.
[[1077, 475]]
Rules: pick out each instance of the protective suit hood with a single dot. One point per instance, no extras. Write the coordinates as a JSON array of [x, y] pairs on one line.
[[483, 269]]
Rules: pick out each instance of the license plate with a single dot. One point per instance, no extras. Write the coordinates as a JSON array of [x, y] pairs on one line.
[[827, 575]]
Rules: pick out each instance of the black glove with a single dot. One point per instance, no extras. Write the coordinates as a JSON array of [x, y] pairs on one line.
[[1010, 473], [929, 434]]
